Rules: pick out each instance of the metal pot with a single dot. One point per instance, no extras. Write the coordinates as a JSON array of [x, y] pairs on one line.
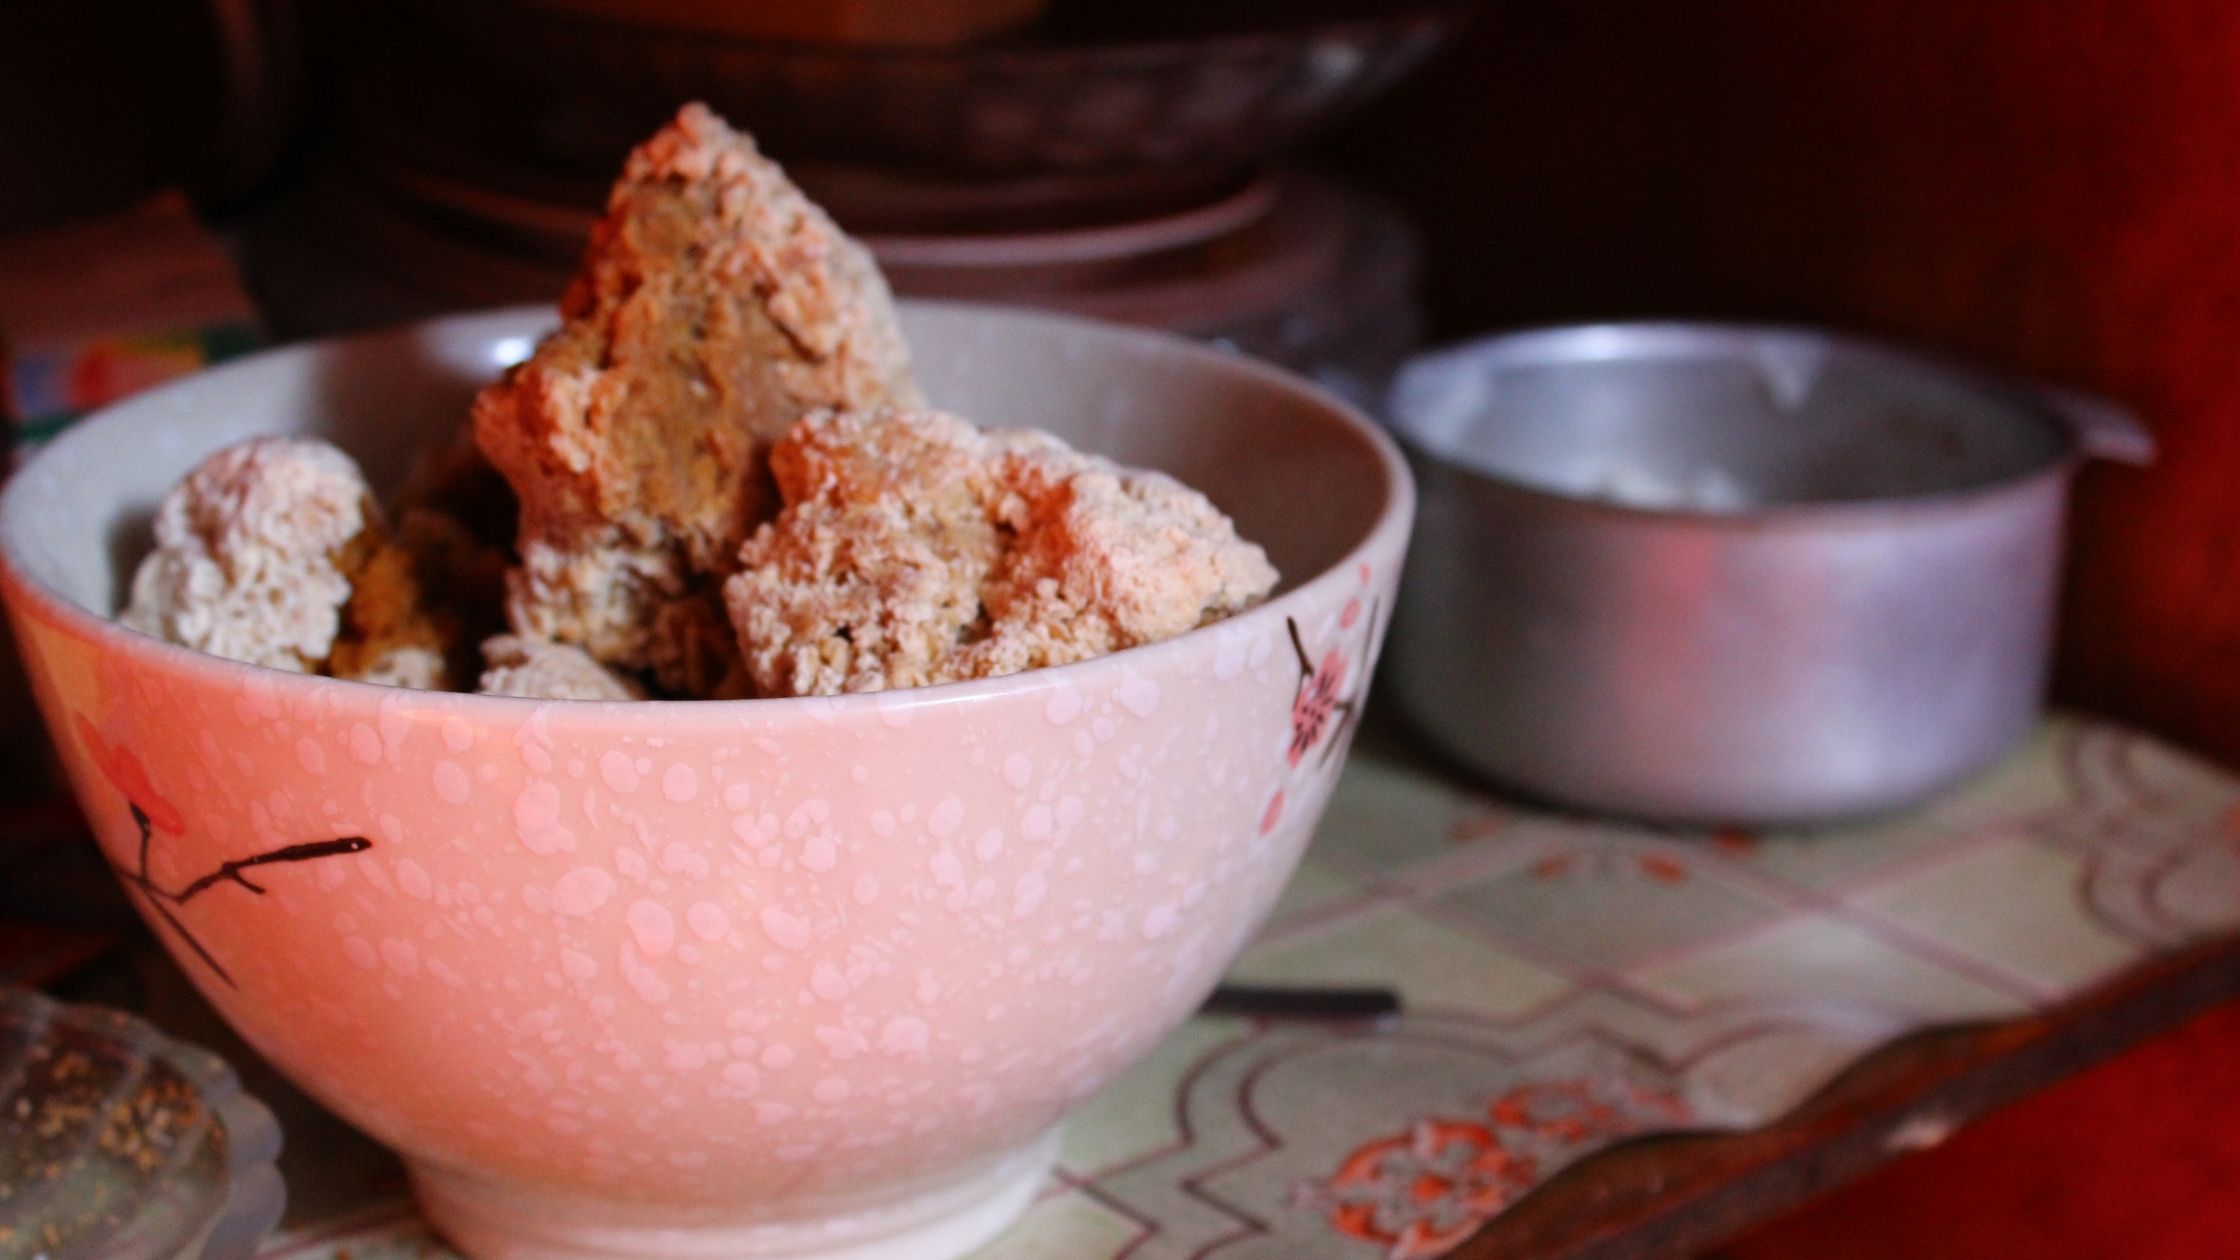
[[1732, 574]]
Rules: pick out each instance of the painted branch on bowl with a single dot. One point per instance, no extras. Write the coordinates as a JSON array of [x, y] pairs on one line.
[[151, 813]]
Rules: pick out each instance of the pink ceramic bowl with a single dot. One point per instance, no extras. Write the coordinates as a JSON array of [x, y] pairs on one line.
[[811, 977]]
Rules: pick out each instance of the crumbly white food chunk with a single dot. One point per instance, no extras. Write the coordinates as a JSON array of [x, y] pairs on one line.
[[716, 305], [421, 596], [915, 549], [415, 667], [537, 670], [1102, 558], [253, 552]]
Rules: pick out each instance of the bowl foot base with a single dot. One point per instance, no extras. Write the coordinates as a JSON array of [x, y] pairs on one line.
[[491, 1222]]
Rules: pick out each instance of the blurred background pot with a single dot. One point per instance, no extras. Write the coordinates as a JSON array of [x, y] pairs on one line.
[[1732, 574]]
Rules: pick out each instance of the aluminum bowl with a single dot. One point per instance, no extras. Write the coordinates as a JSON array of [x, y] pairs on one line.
[[1723, 574]]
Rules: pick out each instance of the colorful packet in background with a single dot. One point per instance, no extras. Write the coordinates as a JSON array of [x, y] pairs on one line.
[[48, 387], [91, 312], [94, 311]]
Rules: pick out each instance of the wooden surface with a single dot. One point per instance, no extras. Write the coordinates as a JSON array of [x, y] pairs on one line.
[[1682, 1196]]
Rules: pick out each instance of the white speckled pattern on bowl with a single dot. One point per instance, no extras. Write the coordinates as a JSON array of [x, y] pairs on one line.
[[794, 977]]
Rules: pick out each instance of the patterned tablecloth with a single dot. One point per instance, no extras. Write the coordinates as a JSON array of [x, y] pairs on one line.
[[1569, 982]]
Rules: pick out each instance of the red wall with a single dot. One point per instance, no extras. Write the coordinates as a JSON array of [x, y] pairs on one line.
[[2053, 185]]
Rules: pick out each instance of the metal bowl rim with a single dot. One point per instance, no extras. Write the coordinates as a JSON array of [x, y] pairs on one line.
[[1650, 340]]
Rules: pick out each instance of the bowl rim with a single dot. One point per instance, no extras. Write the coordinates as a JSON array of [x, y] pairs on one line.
[[1609, 341], [27, 595]]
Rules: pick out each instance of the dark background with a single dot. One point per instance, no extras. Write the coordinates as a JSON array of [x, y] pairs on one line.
[[2052, 186]]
